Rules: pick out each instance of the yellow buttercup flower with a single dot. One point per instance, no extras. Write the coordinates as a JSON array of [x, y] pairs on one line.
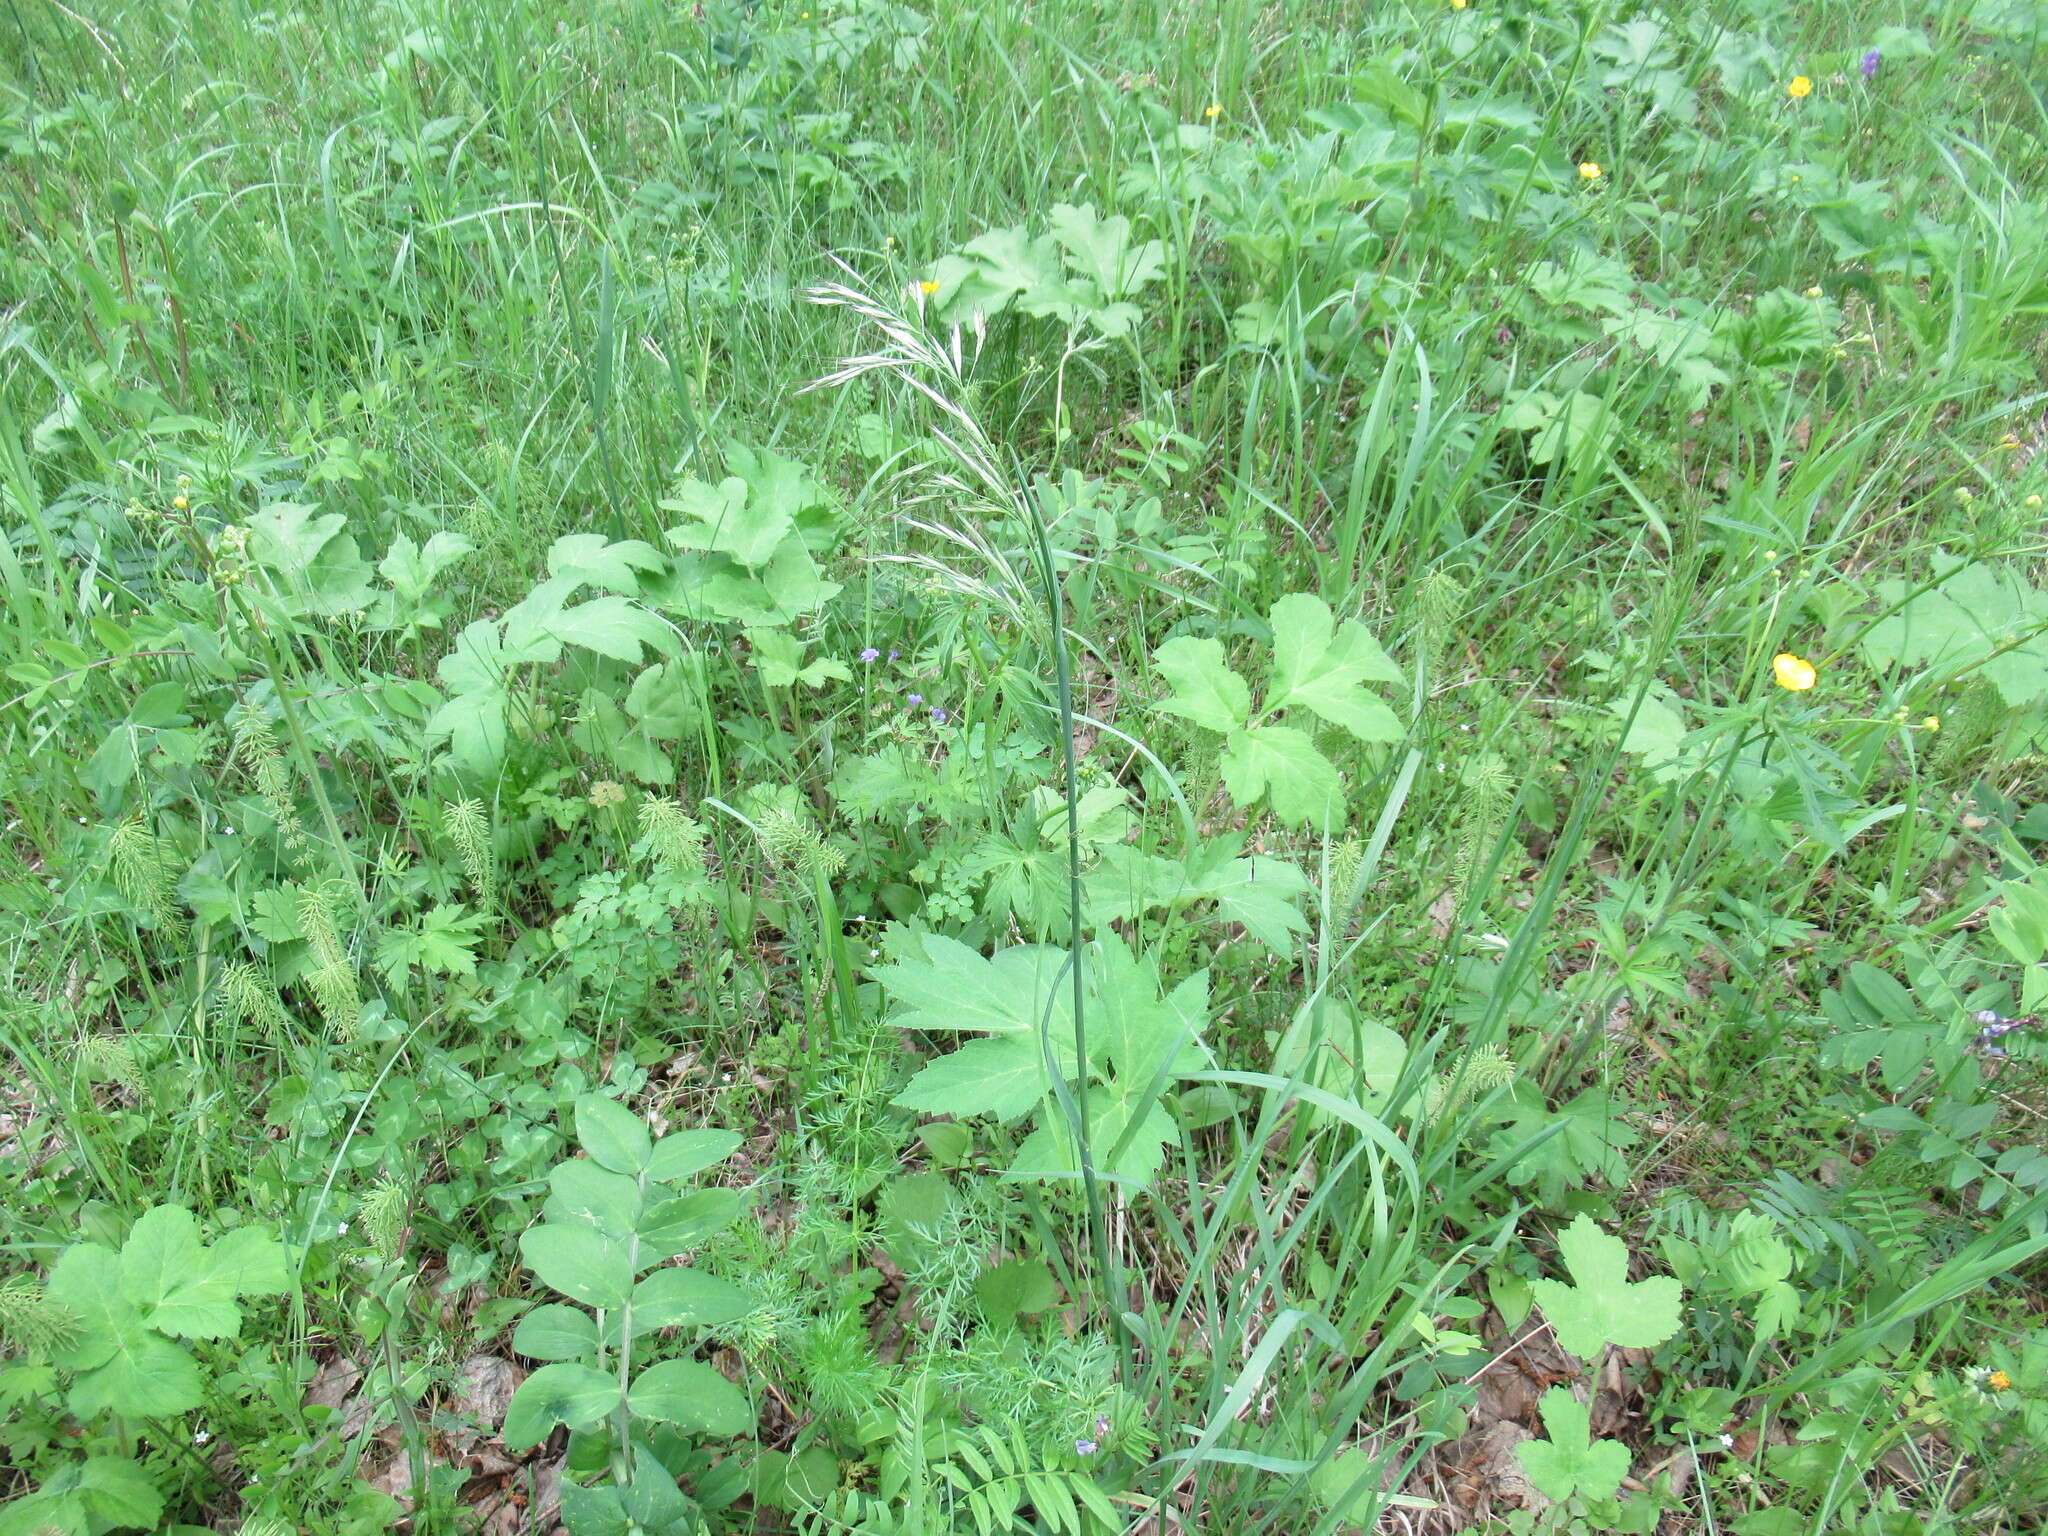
[[1931, 723], [1795, 674], [928, 287], [1590, 170], [1799, 87], [1458, 5], [2032, 501], [1815, 292], [1998, 1381], [1213, 111]]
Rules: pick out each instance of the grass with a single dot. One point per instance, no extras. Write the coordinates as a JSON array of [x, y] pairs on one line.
[[1136, 642]]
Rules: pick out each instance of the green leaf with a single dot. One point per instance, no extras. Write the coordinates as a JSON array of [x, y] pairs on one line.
[[555, 1332], [146, 1376], [613, 1135], [1002, 1076], [1323, 666], [779, 657], [587, 1195], [676, 1226], [1281, 763], [1101, 250], [1014, 1288], [693, 1397], [686, 1298], [576, 1395], [1205, 690], [941, 984], [1602, 1306], [616, 627], [726, 519], [1571, 1461], [591, 558], [102, 1493], [442, 943], [683, 1153], [580, 1262]]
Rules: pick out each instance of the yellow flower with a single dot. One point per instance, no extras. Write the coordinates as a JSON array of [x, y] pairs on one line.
[[1998, 1381], [1799, 87], [1814, 292], [2032, 501], [1794, 673], [928, 287], [181, 502], [1213, 111], [1931, 723], [1590, 170], [1458, 5]]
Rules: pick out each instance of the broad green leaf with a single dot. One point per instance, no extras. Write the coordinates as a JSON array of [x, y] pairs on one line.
[[595, 1511], [616, 627], [1571, 1461], [942, 984], [693, 1397], [1601, 1306], [1002, 1076], [686, 1298], [726, 519], [1323, 666], [1282, 764], [147, 1376], [1128, 1133], [564, 1393], [580, 1262], [556, 1332], [779, 657], [1101, 250], [1205, 690], [1130, 1029], [585, 1194], [1973, 622], [162, 1253], [412, 570], [102, 1493], [592, 558], [1019, 1286], [87, 1279], [613, 1135], [683, 1153], [676, 1226]]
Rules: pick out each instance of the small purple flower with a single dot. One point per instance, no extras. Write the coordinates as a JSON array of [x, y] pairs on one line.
[[893, 655], [1084, 1447], [870, 656], [938, 717], [916, 699], [1102, 1426], [1870, 62]]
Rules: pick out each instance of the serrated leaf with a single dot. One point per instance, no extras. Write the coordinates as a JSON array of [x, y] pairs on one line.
[[613, 1135], [1205, 690], [146, 1376], [592, 558], [1101, 250], [1323, 666], [945, 985], [1002, 1076], [692, 1396], [612, 626], [579, 1396], [726, 519], [1601, 1306], [580, 1262], [1571, 1461], [1279, 763]]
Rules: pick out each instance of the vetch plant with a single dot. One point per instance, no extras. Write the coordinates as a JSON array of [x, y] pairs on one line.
[[608, 1230]]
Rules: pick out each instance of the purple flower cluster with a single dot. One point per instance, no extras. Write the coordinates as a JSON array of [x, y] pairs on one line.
[[869, 655], [1871, 60]]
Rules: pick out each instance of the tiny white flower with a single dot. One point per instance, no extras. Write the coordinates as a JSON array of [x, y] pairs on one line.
[[344, 1230], [874, 954], [201, 1438], [1727, 1442]]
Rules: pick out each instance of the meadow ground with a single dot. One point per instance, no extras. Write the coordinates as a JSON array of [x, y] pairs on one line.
[[1024, 768]]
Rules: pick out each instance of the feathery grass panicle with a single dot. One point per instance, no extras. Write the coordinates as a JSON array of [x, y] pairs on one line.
[[33, 1321], [332, 978], [469, 828], [145, 872], [270, 772], [670, 836]]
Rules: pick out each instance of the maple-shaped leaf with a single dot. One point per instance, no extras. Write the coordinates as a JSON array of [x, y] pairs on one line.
[[1571, 1460], [1323, 666], [1000, 1075], [1602, 1306], [1281, 762], [1205, 690], [1101, 250]]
